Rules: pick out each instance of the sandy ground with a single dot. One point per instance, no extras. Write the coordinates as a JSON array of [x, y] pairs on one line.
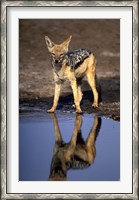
[[35, 71]]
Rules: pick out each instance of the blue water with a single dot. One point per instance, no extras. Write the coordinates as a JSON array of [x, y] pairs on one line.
[[37, 140]]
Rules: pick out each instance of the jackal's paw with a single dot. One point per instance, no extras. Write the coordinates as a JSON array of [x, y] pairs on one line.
[[95, 105], [50, 110], [79, 111]]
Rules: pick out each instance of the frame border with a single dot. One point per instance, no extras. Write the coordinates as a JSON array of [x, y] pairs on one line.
[[25, 3]]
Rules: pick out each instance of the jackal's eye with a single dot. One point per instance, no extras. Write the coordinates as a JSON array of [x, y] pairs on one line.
[[52, 54], [61, 55]]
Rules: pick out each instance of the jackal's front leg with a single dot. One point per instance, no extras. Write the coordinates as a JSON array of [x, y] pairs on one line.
[[76, 96], [56, 97]]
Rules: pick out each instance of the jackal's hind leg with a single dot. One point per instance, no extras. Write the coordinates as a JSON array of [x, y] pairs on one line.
[[92, 83]]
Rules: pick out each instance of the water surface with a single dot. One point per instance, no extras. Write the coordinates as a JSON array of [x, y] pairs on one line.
[[53, 146]]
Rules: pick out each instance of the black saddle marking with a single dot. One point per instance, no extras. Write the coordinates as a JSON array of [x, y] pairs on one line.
[[77, 57]]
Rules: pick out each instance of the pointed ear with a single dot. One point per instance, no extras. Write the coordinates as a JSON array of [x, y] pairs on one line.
[[49, 43], [67, 41]]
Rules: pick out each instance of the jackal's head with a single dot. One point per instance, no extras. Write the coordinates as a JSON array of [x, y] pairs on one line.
[[58, 51]]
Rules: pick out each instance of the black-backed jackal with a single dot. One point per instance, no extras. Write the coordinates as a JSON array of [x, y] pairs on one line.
[[72, 66]]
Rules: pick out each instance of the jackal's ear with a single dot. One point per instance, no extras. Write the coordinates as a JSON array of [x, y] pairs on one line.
[[67, 41], [49, 42]]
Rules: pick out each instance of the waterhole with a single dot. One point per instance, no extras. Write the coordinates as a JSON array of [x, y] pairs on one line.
[[69, 147]]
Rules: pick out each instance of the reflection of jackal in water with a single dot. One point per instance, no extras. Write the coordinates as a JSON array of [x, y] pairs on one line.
[[77, 154]]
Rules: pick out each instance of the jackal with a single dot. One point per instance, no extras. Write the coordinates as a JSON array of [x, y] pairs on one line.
[[73, 66], [77, 154]]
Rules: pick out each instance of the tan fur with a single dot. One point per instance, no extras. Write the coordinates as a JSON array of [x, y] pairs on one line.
[[63, 152], [87, 68]]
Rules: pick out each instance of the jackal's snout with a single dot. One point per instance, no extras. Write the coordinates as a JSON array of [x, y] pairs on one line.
[[58, 56]]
